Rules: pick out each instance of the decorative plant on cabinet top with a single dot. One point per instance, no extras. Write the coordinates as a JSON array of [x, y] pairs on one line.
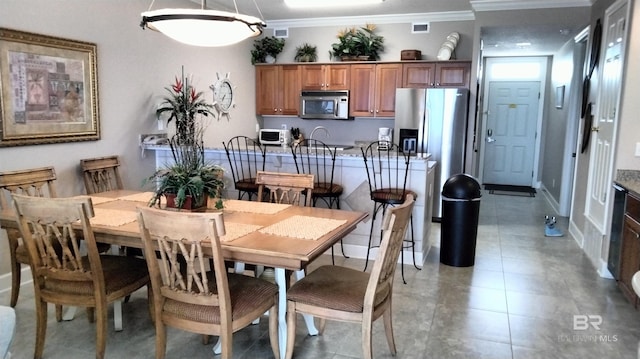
[[358, 44], [306, 53], [269, 46]]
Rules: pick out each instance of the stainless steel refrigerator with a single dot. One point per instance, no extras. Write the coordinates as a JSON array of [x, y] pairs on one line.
[[434, 121]]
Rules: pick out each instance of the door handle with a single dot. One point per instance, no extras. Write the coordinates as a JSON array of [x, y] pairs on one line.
[[489, 138], [595, 129]]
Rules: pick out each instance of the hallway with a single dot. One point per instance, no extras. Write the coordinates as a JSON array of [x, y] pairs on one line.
[[518, 301]]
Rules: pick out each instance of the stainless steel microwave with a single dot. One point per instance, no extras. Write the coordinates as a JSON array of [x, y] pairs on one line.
[[327, 105]]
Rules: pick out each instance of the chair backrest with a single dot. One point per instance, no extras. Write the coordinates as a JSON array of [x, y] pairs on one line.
[[246, 157], [101, 174], [286, 187], [394, 228], [46, 226], [37, 182], [316, 158], [182, 234], [387, 168]]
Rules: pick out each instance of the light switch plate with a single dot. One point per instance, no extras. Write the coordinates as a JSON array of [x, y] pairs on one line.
[[637, 154]]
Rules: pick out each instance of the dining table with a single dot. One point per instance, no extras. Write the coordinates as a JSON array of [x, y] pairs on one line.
[[285, 237]]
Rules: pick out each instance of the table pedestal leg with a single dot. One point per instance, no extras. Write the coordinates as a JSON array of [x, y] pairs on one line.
[[282, 310]]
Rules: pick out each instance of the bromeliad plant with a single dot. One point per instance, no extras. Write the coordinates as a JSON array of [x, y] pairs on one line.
[[183, 104]]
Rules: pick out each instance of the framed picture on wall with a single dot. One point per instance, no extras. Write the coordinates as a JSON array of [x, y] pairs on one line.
[[49, 89]]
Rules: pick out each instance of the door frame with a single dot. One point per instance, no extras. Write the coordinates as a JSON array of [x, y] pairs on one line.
[[605, 226], [492, 76]]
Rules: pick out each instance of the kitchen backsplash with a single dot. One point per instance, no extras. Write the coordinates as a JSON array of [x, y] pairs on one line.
[[340, 132]]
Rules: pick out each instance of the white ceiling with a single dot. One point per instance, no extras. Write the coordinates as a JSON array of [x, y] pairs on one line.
[[544, 39]]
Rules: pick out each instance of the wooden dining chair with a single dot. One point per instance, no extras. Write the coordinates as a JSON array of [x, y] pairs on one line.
[[282, 188], [288, 188], [101, 174], [72, 276], [246, 157], [192, 297], [316, 158], [38, 182], [349, 295]]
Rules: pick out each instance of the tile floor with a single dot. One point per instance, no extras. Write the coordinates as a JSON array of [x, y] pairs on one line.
[[518, 301]]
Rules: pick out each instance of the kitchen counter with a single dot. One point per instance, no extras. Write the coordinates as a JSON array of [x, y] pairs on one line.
[[351, 174], [630, 180]]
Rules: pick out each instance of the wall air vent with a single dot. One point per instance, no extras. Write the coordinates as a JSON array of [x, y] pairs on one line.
[[420, 28], [281, 33]]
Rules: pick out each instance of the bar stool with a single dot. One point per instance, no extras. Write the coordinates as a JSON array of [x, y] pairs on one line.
[[387, 172], [316, 158], [246, 157]]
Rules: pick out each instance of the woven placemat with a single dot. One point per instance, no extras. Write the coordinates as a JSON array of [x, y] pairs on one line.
[[138, 197], [98, 200], [303, 227], [235, 205], [112, 217], [237, 230]]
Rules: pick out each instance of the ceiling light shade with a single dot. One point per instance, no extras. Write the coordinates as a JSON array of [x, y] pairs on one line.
[[325, 3], [203, 27]]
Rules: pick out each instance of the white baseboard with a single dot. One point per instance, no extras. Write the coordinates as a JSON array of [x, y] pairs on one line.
[[5, 279], [360, 252], [576, 233], [603, 271], [549, 198]]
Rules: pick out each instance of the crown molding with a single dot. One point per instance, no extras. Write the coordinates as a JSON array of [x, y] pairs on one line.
[[497, 5], [377, 19]]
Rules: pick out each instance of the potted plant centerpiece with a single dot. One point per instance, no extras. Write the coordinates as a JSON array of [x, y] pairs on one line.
[[269, 46], [189, 180], [358, 44]]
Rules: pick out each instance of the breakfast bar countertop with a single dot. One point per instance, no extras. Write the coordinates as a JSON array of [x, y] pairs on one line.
[[349, 152]]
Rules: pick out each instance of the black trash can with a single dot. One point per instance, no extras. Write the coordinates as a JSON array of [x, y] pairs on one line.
[[459, 226]]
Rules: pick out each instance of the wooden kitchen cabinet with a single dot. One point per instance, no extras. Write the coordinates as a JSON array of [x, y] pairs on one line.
[[436, 74], [325, 77], [277, 89], [630, 248], [373, 89]]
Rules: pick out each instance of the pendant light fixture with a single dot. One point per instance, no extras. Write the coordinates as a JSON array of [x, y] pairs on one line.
[[203, 27]]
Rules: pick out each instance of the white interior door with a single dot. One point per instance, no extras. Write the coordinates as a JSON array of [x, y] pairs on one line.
[[510, 137], [603, 133]]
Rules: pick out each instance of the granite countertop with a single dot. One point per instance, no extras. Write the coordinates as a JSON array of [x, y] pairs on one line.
[[630, 180], [354, 152]]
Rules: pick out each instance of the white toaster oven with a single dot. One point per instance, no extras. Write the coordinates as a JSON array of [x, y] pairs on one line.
[[274, 137]]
